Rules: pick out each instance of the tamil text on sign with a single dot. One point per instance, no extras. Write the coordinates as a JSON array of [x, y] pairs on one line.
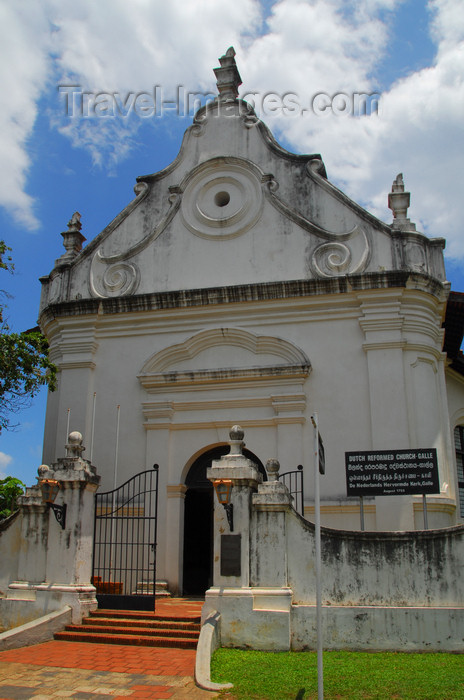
[[391, 472]]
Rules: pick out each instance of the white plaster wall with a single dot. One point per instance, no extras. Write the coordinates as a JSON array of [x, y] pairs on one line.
[[389, 569], [371, 388], [455, 395], [69, 555], [10, 543], [368, 628], [24, 626], [32, 555]]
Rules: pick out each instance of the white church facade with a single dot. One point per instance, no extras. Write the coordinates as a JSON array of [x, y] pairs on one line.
[[240, 286]]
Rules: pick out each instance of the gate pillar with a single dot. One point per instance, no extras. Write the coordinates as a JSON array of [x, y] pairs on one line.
[[254, 606], [68, 567], [55, 564], [231, 563]]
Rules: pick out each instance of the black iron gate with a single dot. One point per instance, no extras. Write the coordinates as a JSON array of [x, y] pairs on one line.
[[294, 482], [124, 550]]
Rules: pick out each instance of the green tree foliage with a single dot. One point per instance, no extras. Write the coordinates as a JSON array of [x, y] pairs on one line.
[[6, 262], [10, 489], [24, 363]]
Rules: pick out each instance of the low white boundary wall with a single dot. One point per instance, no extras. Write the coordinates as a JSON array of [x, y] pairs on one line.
[[380, 590], [39, 630]]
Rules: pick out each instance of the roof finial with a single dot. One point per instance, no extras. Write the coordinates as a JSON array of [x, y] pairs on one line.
[[227, 76], [74, 224], [72, 239], [398, 202]]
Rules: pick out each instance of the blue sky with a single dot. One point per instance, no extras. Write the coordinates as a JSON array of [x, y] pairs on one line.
[[409, 54]]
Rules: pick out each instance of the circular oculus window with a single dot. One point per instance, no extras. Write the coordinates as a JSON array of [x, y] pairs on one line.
[[222, 202]]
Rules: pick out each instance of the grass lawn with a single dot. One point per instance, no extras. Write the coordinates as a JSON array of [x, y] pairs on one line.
[[259, 675]]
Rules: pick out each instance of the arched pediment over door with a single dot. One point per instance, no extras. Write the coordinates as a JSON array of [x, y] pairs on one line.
[[223, 376], [221, 354]]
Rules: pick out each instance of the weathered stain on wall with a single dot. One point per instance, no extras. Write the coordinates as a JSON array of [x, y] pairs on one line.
[[10, 542], [376, 568]]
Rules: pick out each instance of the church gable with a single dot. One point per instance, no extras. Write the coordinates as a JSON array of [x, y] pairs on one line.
[[235, 208]]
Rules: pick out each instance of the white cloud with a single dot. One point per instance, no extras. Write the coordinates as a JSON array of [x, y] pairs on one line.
[[5, 460], [419, 131], [120, 46], [314, 46], [23, 75], [102, 46], [448, 23]]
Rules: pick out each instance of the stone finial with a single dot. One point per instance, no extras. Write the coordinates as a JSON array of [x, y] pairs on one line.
[[74, 448], [236, 435], [227, 76], [272, 468], [398, 202], [74, 223], [43, 471], [72, 238], [72, 468]]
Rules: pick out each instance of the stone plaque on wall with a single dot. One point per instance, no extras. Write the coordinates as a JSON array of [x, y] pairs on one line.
[[231, 555]]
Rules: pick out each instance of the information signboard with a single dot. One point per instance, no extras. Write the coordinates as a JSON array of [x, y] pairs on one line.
[[391, 472]]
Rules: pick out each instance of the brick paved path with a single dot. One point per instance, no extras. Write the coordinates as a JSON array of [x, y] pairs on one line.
[[93, 671]]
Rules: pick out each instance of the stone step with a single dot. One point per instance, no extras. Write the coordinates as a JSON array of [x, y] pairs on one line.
[[159, 631], [150, 624], [145, 615], [136, 627], [161, 588], [132, 639], [176, 625]]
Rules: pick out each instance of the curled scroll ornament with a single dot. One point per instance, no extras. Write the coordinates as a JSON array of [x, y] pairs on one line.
[[119, 279], [335, 258], [199, 123], [316, 166], [112, 275], [250, 120]]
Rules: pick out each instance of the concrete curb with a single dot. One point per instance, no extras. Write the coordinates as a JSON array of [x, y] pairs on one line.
[[40, 630], [208, 642]]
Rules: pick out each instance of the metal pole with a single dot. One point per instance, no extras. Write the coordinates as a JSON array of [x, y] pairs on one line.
[[361, 511], [424, 508], [156, 468], [317, 520], [93, 425], [118, 410], [115, 478]]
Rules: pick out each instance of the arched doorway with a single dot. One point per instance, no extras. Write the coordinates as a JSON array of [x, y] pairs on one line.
[[198, 521]]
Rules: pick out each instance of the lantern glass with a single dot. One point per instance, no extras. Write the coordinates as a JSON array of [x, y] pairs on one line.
[[49, 489], [223, 488]]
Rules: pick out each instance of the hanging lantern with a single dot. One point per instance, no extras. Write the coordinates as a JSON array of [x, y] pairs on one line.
[[223, 488], [49, 489]]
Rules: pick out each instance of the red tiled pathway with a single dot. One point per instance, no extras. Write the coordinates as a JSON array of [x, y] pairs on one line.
[[87, 671]]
